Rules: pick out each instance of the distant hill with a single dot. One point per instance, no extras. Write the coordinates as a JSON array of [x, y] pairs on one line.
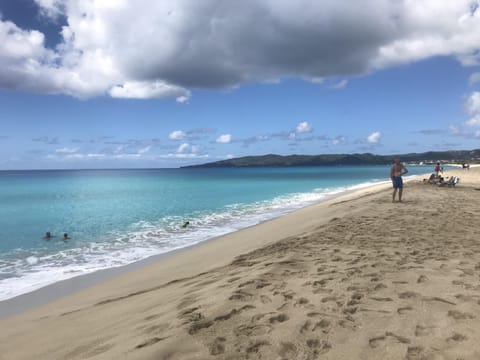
[[271, 160]]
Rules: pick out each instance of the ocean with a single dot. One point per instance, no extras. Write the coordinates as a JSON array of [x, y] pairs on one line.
[[117, 217]]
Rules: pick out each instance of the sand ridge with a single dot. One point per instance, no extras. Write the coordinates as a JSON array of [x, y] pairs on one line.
[[376, 281]]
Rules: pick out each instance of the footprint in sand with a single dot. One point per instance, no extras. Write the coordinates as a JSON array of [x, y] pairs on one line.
[[199, 325], [218, 346], [306, 327], [318, 347], [416, 353], [458, 315], [408, 295], [191, 315], [283, 306], [253, 330], [399, 338], [278, 319], [301, 301], [380, 286], [355, 299], [288, 295], [329, 298], [287, 350], [323, 324], [265, 299], [421, 279], [240, 295], [350, 310], [382, 299], [467, 298], [422, 330], [234, 312], [457, 337], [377, 341], [254, 347], [149, 342]]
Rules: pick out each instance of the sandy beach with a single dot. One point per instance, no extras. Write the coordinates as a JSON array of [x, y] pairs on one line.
[[355, 277]]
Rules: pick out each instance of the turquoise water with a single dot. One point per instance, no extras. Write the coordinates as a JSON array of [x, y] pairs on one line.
[[116, 217]]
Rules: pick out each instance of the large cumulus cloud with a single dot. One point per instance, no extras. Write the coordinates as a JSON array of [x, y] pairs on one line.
[[145, 49]]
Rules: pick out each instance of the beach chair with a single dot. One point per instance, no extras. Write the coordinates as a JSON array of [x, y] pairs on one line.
[[454, 180]]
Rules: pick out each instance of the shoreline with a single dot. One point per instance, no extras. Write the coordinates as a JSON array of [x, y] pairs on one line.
[[354, 277], [31, 280], [59, 289]]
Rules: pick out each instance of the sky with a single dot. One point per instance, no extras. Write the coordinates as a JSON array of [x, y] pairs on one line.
[[136, 84]]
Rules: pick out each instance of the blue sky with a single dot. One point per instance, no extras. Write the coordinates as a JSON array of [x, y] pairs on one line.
[[84, 85]]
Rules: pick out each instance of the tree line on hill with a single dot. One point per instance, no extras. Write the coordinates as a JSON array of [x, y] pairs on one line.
[[272, 160]]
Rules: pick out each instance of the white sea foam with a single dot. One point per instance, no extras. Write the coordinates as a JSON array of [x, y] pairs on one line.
[[145, 239], [32, 260]]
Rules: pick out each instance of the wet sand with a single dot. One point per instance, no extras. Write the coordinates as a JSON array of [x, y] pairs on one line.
[[356, 277]]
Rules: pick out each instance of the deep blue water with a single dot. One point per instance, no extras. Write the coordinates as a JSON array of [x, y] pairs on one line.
[[115, 217]]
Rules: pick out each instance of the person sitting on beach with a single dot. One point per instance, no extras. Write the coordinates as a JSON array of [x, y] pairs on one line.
[[47, 236], [430, 180], [65, 237]]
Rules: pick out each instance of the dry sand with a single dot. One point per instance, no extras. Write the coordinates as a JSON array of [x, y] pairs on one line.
[[357, 277]]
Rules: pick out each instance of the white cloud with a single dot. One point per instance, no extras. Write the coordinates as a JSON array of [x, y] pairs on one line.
[[474, 120], [342, 84], [374, 137], [177, 135], [224, 139], [183, 148], [148, 90], [474, 78], [183, 156], [432, 28], [304, 127], [20, 45], [183, 99], [50, 8], [144, 150], [171, 47], [187, 148], [473, 108], [67, 150], [76, 156], [473, 104], [338, 140]]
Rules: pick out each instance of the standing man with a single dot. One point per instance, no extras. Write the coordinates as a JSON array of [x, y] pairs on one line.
[[396, 172]]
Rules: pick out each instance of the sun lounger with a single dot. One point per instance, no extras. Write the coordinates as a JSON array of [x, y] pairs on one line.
[[454, 180]]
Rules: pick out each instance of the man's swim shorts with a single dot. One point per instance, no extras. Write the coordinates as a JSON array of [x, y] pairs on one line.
[[397, 182]]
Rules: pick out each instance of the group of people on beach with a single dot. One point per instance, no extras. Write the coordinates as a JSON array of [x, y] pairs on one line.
[[398, 169], [49, 236]]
